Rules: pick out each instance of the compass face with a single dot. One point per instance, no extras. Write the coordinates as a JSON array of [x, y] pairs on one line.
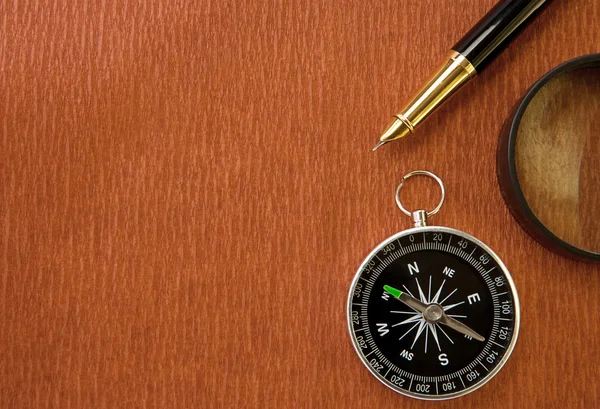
[[433, 313]]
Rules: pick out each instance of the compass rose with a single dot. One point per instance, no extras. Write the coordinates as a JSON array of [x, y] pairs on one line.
[[428, 313]]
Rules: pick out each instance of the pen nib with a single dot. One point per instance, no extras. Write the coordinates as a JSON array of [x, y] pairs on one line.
[[397, 129], [379, 144]]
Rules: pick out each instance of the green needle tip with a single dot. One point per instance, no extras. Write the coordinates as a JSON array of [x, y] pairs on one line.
[[393, 291]]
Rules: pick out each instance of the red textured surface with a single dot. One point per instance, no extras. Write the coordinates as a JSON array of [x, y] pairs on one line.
[[187, 188]]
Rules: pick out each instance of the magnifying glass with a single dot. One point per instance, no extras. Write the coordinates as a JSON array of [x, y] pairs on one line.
[[549, 159]]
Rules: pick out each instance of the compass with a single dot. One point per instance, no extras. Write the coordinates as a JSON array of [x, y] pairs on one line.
[[433, 312]]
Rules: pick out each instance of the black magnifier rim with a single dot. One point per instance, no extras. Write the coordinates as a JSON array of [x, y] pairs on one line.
[[512, 192]]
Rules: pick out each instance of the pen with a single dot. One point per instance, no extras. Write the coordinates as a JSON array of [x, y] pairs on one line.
[[469, 56]]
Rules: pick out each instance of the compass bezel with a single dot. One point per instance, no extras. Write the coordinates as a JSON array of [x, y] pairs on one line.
[[509, 281]]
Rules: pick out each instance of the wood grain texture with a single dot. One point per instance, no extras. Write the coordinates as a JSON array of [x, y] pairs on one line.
[[187, 189]]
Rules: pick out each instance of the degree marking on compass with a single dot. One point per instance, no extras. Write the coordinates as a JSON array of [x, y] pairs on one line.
[[506, 292], [355, 303], [388, 371], [487, 272], [505, 319], [471, 255], [495, 343], [461, 380], [481, 363]]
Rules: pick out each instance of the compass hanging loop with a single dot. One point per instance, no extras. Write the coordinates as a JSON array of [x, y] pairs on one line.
[[419, 217]]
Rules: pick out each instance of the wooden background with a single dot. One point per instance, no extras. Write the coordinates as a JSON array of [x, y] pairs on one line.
[[187, 189]]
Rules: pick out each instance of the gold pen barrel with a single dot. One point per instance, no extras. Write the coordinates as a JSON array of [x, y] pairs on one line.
[[445, 81]]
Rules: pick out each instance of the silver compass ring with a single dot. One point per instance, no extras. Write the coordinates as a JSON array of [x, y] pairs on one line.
[[420, 173]]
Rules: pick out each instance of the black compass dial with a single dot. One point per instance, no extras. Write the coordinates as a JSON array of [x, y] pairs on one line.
[[433, 313]]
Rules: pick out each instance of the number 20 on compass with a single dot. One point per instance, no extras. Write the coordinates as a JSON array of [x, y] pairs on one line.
[[433, 312]]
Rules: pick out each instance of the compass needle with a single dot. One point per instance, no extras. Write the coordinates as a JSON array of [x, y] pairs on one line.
[[411, 289], [408, 300], [460, 327], [394, 292]]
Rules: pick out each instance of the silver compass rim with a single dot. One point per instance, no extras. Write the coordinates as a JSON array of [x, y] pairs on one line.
[[513, 291]]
